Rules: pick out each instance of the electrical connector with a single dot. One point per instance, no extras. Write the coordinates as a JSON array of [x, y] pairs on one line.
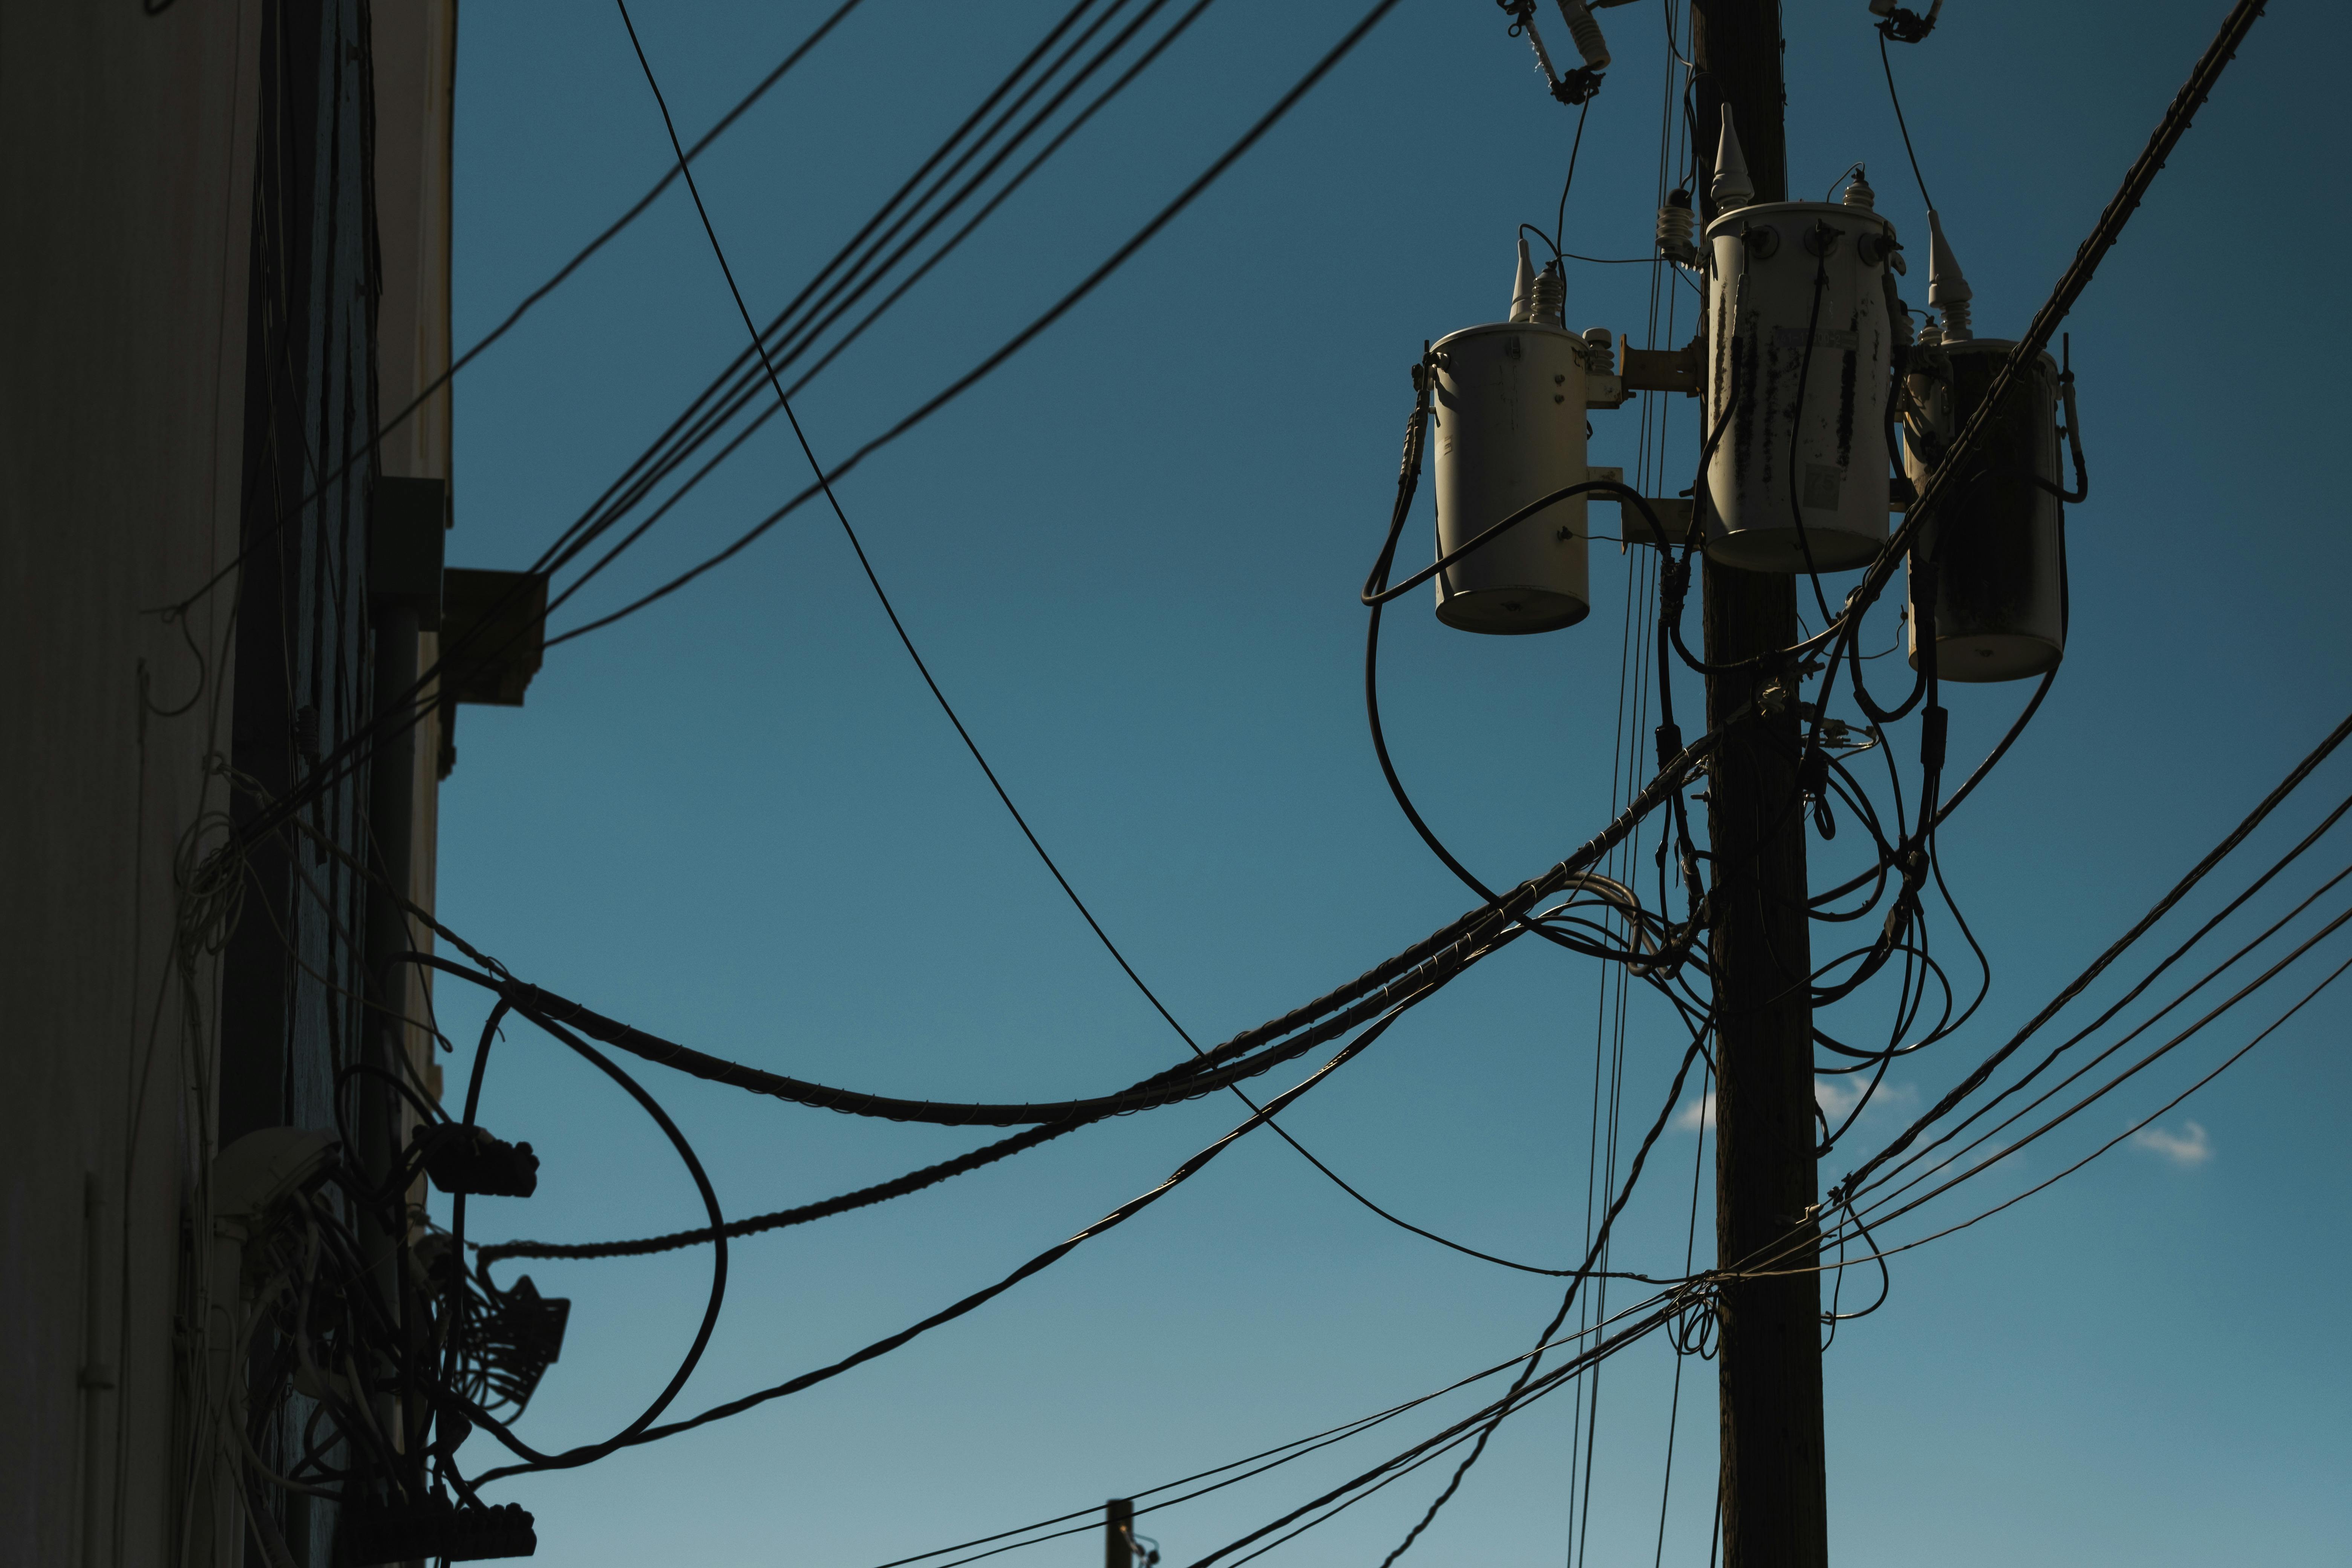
[[468, 1159], [382, 1532]]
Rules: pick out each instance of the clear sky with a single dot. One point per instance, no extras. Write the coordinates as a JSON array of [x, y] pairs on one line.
[[1132, 557]]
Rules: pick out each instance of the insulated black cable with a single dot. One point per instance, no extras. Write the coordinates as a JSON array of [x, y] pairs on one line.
[[1455, 944], [2077, 277], [611, 231], [2180, 890], [1296, 1447], [573, 1457], [1896, 100], [1022, 339], [898, 292], [739, 371], [1600, 1243], [2142, 1028], [881, 1192], [2308, 997], [1560, 222], [1447, 1437], [875, 581], [405, 712], [2249, 989], [1845, 1192], [855, 272], [1043, 1260], [1189, 1080]]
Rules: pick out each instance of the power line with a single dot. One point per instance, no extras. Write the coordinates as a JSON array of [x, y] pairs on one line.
[[865, 565], [523, 308], [1042, 1261], [1027, 334]]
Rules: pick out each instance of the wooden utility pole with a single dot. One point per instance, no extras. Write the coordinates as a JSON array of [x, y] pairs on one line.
[[1775, 1502], [1118, 1534]]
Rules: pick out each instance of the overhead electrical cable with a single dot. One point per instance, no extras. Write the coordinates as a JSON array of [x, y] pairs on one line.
[[1977, 1079], [349, 756], [1028, 334], [1042, 1261], [857, 548], [506, 324], [2246, 991], [1297, 1448], [1452, 946], [2327, 981], [2134, 993], [409, 708], [792, 353], [854, 268]]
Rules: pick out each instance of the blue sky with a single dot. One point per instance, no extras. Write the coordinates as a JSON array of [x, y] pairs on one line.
[[1131, 559]]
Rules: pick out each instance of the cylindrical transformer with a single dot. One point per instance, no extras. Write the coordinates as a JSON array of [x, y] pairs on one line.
[[1798, 352], [1998, 539], [1509, 429]]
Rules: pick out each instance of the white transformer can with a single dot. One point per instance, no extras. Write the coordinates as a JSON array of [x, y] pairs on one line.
[[1509, 429], [1799, 348], [1998, 540]]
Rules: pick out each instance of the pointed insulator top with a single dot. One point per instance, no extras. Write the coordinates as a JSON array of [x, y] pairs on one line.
[[1732, 187], [1859, 193], [1947, 287], [1523, 286]]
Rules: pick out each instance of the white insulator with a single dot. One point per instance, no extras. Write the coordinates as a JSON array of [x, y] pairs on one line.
[[1930, 335], [1600, 351], [1674, 226], [1799, 350], [1587, 34], [1523, 286], [1859, 193], [1732, 187], [1508, 430], [1947, 287], [1997, 536]]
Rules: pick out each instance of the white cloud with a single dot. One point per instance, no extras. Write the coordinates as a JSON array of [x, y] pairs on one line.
[[2187, 1149], [1836, 1095]]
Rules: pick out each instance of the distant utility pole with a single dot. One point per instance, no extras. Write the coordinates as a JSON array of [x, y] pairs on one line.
[[1118, 1534], [1775, 1495]]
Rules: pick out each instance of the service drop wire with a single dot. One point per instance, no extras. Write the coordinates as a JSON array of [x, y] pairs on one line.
[[725, 394], [646, 1434], [1568, 1300], [179, 608], [1378, 593], [348, 757], [1279, 1455], [784, 403], [588, 1453], [797, 329], [2099, 1093], [1482, 1419], [2166, 1109], [452, 1346], [1022, 339], [856, 547], [2140, 1028], [2180, 890]]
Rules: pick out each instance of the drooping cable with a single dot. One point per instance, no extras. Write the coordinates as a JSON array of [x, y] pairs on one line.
[[873, 580]]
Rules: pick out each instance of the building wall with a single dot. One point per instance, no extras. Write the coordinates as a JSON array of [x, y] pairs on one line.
[[219, 276], [415, 53], [128, 145]]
